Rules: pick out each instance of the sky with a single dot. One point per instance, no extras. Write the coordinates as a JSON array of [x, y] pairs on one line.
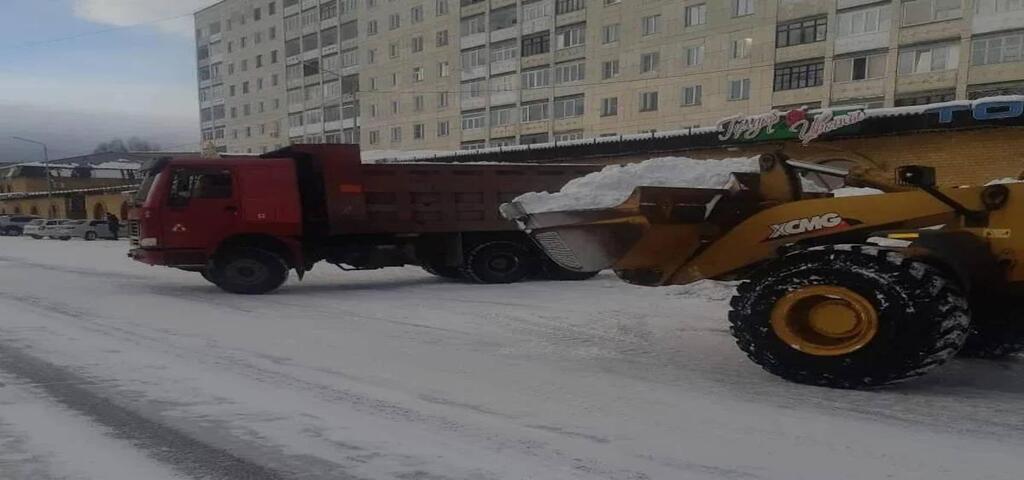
[[74, 73]]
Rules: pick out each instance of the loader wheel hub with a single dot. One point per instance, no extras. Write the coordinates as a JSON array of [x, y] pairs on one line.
[[825, 320]]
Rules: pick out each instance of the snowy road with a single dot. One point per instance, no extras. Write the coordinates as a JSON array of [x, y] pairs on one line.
[[111, 370]]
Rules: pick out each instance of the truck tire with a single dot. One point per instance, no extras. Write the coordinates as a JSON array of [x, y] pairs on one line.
[[849, 317], [553, 271], [499, 262], [996, 332], [249, 271], [443, 271], [91, 236]]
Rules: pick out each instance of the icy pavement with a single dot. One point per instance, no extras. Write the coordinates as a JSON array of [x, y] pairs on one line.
[[397, 375]]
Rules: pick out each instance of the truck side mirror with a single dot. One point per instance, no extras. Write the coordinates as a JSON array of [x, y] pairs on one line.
[[916, 176]]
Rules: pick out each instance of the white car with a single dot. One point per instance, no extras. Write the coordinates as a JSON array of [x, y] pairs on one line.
[[87, 229], [38, 229]]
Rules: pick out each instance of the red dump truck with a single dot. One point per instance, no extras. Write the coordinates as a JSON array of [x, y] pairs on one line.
[[244, 222]]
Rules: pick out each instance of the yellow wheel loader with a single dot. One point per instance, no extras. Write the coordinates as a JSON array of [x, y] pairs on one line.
[[849, 292]]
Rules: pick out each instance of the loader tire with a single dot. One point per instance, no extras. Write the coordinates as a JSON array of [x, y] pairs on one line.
[[996, 332], [897, 318], [499, 262], [249, 271]]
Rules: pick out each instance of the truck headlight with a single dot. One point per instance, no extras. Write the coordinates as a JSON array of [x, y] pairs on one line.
[[148, 242]]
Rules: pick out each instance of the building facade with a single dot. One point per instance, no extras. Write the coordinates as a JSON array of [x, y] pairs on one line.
[[467, 74]]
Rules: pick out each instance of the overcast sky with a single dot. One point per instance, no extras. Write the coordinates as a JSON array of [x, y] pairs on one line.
[[74, 93]]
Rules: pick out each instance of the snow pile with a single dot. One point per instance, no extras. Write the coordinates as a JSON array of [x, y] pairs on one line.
[[706, 290], [613, 185], [1004, 181], [855, 192]]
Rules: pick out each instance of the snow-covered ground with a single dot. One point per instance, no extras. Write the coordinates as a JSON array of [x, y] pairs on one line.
[[112, 370]]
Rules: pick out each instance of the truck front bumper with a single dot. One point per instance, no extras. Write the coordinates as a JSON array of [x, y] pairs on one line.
[[189, 258]]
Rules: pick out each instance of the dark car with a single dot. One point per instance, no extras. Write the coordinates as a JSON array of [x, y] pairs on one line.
[[14, 225]]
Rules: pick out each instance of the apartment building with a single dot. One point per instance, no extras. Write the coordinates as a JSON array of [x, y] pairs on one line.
[[450, 74]]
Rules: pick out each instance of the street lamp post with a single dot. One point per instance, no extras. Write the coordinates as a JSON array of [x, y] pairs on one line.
[[46, 164]]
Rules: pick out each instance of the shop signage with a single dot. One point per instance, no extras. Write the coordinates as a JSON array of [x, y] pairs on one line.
[[777, 125], [980, 110]]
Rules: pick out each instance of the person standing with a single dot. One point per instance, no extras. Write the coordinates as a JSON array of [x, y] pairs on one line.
[[114, 224]]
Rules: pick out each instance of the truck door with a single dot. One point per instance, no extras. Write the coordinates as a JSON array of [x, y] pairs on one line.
[[202, 208]]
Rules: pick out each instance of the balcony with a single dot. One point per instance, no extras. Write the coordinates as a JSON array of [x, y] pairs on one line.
[[571, 17], [794, 9], [475, 72], [570, 53], [505, 34], [504, 66], [799, 96], [1001, 21], [800, 52], [473, 103], [931, 32], [995, 73], [921, 82], [504, 98], [858, 43], [859, 89], [536, 25], [474, 40]]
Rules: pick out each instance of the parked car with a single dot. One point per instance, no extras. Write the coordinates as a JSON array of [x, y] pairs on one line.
[[40, 228], [13, 225], [87, 229]]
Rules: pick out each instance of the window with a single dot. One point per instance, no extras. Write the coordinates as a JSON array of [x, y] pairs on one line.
[[417, 44], [310, 17], [609, 69], [924, 11], [474, 25], [1001, 49], [442, 38], [649, 62], [609, 106], [443, 99], [293, 23], [981, 7], [505, 51], [472, 59], [441, 7], [741, 48], [799, 76], [329, 9], [310, 42], [934, 97], [535, 112], [864, 21], [502, 142], [566, 6], [311, 68], [396, 134], [474, 120], [650, 25], [801, 32], [536, 44], [393, 50], [739, 89], [742, 7], [691, 95], [396, 107], [649, 102], [418, 131], [349, 58], [474, 145], [371, 29], [329, 37], [533, 139], [314, 116], [570, 72], [858, 68], [416, 16], [443, 69], [417, 74], [188, 185], [571, 36], [928, 59], [504, 83], [569, 107], [272, 8], [503, 18], [694, 56], [503, 116], [444, 128], [332, 90], [473, 89], [535, 10], [374, 137], [349, 31], [272, 33], [695, 15], [610, 33], [537, 78], [332, 113], [394, 21]]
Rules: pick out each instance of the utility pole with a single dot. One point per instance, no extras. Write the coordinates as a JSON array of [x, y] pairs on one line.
[[46, 164]]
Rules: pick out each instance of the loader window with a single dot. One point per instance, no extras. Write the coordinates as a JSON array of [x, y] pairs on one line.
[[187, 185]]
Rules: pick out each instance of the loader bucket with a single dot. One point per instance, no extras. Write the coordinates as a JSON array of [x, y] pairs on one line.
[[643, 233]]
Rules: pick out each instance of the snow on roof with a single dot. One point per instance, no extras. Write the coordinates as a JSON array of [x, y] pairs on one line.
[[920, 109]]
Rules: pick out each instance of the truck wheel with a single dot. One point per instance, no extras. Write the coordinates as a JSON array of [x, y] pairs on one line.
[[91, 236], [250, 271], [443, 271], [499, 262], [36, 237], [996, 332], [553, 271], [849, 317], [208, 276]]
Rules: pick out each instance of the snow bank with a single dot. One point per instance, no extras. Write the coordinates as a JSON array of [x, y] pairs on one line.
[[856, 192], [1004, 181], [706, 290], [614, 184]]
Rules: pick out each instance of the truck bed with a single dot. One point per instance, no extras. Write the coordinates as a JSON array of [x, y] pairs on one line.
[[421, 198]]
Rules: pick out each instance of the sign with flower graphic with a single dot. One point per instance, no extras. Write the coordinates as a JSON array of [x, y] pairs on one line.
[[778, 125]]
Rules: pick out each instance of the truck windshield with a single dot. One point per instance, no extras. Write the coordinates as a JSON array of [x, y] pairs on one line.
[[146, 187]]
